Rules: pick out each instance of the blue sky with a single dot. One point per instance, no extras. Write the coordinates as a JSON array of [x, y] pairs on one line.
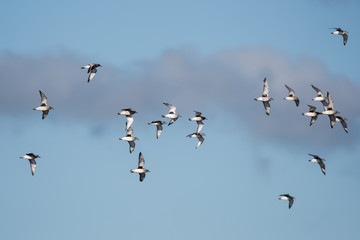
[[208, 56]]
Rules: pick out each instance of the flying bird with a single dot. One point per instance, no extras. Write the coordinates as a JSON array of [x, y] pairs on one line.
[[159, 127], [312, 113], [339, 31], [128, 112], [43, 105], [320, 97], [31, 157], [291, 96], [329, 110], [342, 120], [287, 197], [171, 114], [318, 160], [130, 139], [265, 97], [199, 120], [91, 70], [199, 136], [140, 170]]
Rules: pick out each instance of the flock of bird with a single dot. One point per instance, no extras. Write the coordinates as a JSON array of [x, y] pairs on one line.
[[327, 102]]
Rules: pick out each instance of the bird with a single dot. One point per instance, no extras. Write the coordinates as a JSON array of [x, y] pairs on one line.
[[91, 69], [320, 96], [329, 110], [43, 105], [312, 113], [199, 136], [319, 160], [342, 120], [291, 96], [199, 120], [265, 97], [140, 170], [128, 112], [171, 114], [339, 31], [287, 197], [31, 157], [130, 139], [159, 127]]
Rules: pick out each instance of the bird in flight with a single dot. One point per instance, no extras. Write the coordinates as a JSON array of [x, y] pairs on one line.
[[43, 105], [91, 70]]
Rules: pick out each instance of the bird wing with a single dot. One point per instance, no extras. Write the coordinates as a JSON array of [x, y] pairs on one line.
[[44, 114], [32, 166], [291, 201], [266, 88], [43, 99], [314, 156], [197, 114], [158, 130], [86, 66], [92, 74], [200, 126], [172, 107], [141, 161], [129, 122], [267, 107], [330, 104], [343, 123], [318, 91], [131, 146], [129, 131], [313, 119], [312, 108], [141, 176], [322, 166], [291, 92], [345, 38], [332, 120]]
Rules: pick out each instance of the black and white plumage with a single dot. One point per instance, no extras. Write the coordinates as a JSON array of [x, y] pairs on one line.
[[342, 120], [128, 112], [311, 113], [339, 31], [329, 110], [43, 105], [287, 197], [171, 114], [199, 136], [159, 127], [320, 161], [199, 120], [91, 70], [320, 97], [265, 97], [291, 96], [140, 170], [130, 139], [31, 157]]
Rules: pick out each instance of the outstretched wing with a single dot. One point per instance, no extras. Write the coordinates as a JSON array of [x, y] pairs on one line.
[[345, 38], [43, 99], [291, 92], [172, 107], [266, 88], [92, 74], [141, 161]]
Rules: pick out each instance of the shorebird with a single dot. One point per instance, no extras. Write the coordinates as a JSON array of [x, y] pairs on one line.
[[159, 127], [171, 114], [339, 31], [91, 69], [318, 160], [31, 157], [130, 139], [320, 96], [291, 96], [312, 113], [199, 136], [287, 197], [140, 170], [329, 110], [43, 105], [128, 112], [265, 97], [199, 120], [342, 120]]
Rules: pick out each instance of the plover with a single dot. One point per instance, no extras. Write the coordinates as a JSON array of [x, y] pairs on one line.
[[91, 70], [265, 97], [199, 136], [43, 105], [339, 31], [199, 120], [342, 120], [130, 139], [312, 113], [128, 112], [31, 157], [287, 197], [140, 170], [318, 160], [291, 96], [171, 114], [159, 127], [320, 97], [329, 110]]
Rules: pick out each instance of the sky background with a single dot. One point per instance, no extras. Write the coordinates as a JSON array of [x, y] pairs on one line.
[[207, 56]]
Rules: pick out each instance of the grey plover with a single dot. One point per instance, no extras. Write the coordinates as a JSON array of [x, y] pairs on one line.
[[318, 160], [199, 120], [130, 139], [31, 157], [265, 97], [199, 136], [287, 197], [320, 97], [342, 120], [339, 31], [159, 127], [171, 114], [128, 112], [312, 113], [140, 170], [91, 70], [43, 105], [329, 110], [291, 96]]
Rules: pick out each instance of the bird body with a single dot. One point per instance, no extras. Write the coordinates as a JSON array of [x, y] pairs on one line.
[[265, 98], [91, 70], [339, 31], [141, 168], [171, 114], [43, 105], [287, 197], [159, 127], [318, 160], [291, 96], [31, 157]]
